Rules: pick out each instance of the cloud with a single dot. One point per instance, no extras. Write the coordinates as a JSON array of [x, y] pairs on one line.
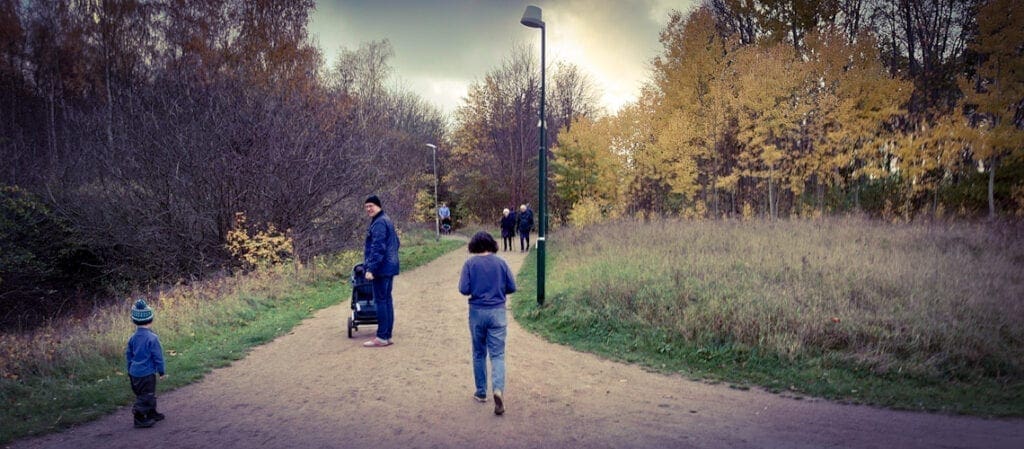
[[613, 44], [441, 47], [445, 93]]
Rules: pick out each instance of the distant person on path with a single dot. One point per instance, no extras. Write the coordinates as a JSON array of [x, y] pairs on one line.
[[525, 219], [380, 258], [508, 229], [446, 217], [486, 278], [145, 361]]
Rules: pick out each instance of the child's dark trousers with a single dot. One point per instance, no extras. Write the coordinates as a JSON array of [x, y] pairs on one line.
[[145, 395]]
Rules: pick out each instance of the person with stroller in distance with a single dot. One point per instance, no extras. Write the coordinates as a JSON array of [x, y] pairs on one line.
[[380, 258], [445, 214], [486, 278], [508, 229]]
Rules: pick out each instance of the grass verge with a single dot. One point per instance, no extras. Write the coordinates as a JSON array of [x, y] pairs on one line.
[[918, 317], [72, 372]]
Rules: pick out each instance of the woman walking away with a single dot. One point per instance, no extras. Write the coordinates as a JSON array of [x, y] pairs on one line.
[[486, 278], [508, 229]]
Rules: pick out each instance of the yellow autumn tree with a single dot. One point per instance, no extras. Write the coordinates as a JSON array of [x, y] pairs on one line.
[[587, 171], [851, 97], [689, 114], [770, 109], [939, 148], [995, 93], [631, 133]]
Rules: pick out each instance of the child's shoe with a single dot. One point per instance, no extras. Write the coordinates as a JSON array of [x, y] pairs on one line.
[[143, 421]]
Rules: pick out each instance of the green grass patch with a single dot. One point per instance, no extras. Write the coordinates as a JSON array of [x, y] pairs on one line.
[[74, 372], [918, 317]]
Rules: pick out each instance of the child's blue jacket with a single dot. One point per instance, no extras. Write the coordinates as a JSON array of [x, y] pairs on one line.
[[144, 354]]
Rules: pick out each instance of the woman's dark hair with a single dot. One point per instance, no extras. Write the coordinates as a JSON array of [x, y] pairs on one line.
[[482, 242]]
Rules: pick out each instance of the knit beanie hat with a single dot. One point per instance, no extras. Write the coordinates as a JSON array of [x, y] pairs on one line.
[[372, 199], [142, 313]]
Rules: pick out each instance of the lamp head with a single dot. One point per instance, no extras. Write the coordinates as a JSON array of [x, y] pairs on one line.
[[532, 17], [432, 146]]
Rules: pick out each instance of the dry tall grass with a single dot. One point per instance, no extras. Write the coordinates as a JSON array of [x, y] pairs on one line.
[[67, 347], [70, 371], [933, 300]]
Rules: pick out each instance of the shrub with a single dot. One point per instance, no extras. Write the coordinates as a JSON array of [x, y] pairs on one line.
[[424, 208], [262, 248], [40, 261], [585, 213]]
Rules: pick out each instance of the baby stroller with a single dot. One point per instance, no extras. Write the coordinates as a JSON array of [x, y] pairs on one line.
[[363, 309]]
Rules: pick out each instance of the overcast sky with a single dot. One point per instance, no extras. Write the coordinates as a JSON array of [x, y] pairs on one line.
[[442, 46]]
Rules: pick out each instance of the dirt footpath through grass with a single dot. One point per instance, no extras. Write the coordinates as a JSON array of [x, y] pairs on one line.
[[316, 388]]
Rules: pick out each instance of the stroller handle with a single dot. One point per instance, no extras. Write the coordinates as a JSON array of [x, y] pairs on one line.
[[359, 272]]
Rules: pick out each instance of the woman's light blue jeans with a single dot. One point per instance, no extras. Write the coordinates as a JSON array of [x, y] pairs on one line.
[[488, 328]]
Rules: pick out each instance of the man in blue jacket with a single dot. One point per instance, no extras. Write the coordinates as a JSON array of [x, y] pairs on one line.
[[380, 258]]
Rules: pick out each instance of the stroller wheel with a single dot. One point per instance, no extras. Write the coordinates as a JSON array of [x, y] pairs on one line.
[[350, 327]]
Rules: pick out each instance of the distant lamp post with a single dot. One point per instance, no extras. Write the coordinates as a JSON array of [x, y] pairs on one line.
[[532, 19], [437, 222]]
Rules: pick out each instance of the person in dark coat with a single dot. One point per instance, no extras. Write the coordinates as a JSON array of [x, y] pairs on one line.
[[525, 220], [508, 229], [380, 258]]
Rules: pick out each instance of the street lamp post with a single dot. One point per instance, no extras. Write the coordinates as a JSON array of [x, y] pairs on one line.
[[532, 19], [437, 222]]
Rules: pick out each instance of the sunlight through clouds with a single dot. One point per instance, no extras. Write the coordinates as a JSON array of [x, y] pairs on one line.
[[445, 93], [441, 47]]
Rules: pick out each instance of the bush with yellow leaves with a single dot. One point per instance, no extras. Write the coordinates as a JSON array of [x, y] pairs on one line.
[[588, 211], [698, 211], [748, 212], [1018, 200], [424, 208], [261, 249]]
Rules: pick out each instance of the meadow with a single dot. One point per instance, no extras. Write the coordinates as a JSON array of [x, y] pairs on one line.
[[73, 370], [910, 316]]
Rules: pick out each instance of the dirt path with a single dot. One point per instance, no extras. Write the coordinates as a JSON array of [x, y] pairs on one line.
[[315, 388]]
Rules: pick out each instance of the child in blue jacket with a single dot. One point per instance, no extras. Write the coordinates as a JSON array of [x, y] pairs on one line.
[[145, 362]]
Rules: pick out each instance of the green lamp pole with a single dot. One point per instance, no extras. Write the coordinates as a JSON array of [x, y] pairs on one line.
[[437, 220], [532, 19]]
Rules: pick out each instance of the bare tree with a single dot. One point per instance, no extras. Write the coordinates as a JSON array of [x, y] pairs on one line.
[[926, 38], [496, 141], [154, 123], [574, 95]]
